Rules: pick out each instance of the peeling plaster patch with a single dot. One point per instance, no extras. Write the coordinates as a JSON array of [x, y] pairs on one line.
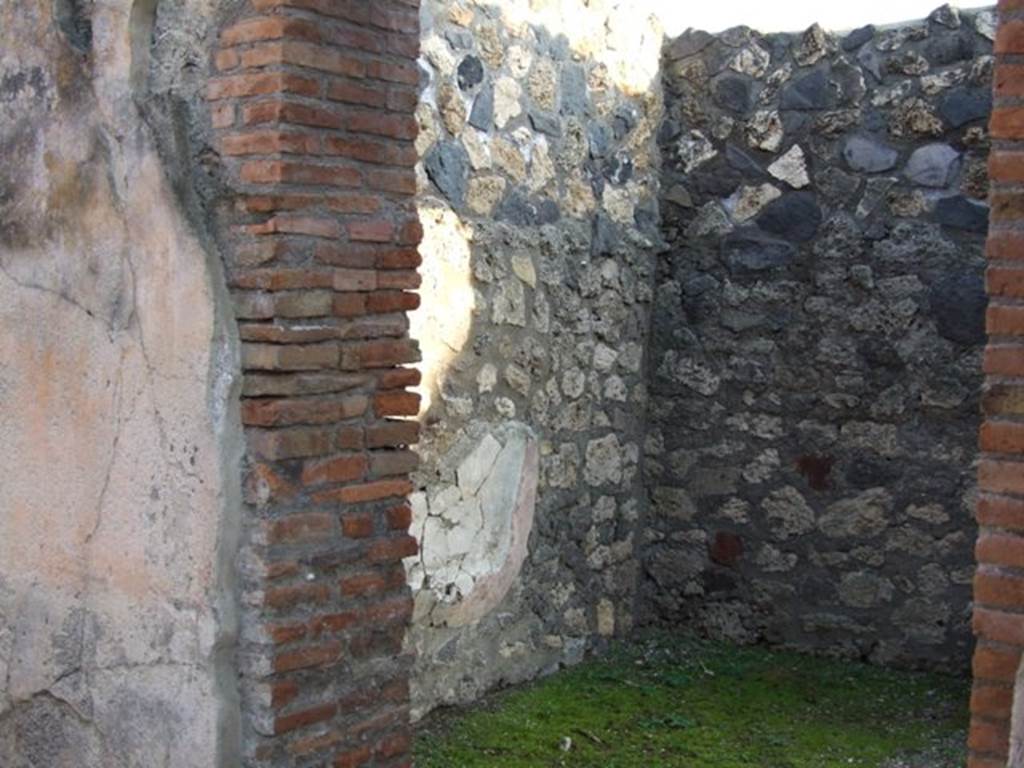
[[473, 533]]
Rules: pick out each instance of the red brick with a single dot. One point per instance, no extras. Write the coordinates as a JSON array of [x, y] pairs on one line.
[[399, 378], [1004, 319], [358, 525], [282, 279], [399, 279], [371, 151], [264, 485], [389, 463], [1003, 437], [260, 84], [1000, 512], [299, 527], [283, 172], [270, 28], [1004, 359], [305, 718], [1008, 6], [351, 10], [998, 590], [392, 301], [396, 403], [289, 113], [380, 489], [395, 126], [399, 258], [290, 357], [379, 354], [1001, 476], [991, 701], [355, 279], [268, 142], [1000, 549], [389, 550], [372, 583], [992, 738], [296, 225], [293, 443], [374, 231], [282, 634], [411, 232], [338, 469], [304, 658], [300, 594], [397, 182], [354, 93], [1007, 123], [283, 692], [400, 517], [353, 203], [302, 54], [349, 304], [999, 626], [222, 115], [996, 663], [393, 72], [1005, 281], [224, 60], [977, 761], [1005, 244], [395, 434], [393, 745], [1010, 37], [353, 758]]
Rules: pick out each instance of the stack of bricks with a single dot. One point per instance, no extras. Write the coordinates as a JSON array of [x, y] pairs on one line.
[[312, 105], [999, 583]]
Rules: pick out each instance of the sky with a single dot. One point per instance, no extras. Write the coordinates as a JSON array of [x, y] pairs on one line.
[[795, 15]]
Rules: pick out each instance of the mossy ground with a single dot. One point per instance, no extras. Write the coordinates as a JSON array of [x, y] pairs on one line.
[[695, 704]]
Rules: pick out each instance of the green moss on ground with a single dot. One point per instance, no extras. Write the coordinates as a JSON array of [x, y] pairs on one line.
[[695, 704]]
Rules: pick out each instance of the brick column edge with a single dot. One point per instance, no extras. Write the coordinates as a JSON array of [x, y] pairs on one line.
[[312, 106], [999, 580]]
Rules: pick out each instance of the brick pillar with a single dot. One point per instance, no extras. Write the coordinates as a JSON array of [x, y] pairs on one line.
[[312, 102], [999, 583]]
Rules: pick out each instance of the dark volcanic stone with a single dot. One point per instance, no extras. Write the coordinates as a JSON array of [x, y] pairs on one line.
[[813, 91], [748, 251], [692, 41], [794, 216], [574, 90], [868, 155], [599, 137], [546, 123], [482, 114], [735, 93], [944, 50], [958, 304], [962, 105], [520, 210], [447, 165], [619, 169], [871, 62], [742, 161], [858, 37], [961, 213], [471, 73]]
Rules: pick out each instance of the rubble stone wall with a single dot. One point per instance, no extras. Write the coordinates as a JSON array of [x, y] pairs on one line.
[[538, 195], [817, 336]]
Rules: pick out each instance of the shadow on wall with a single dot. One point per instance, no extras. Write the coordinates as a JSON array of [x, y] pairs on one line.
[[538, 201], [818, 331]]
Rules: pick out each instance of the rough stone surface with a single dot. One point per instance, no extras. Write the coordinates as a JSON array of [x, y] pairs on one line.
[[816, 342], [542, 241], [118, 414]]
